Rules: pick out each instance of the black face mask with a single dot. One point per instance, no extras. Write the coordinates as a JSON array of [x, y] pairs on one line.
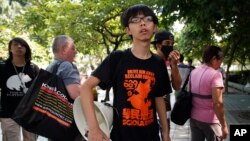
[[166, 50]]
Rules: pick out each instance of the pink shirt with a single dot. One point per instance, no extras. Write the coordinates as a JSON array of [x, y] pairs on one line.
[[203, 79]]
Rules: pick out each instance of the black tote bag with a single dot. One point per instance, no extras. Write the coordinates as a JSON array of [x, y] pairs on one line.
[[47, 109], [182, 108]]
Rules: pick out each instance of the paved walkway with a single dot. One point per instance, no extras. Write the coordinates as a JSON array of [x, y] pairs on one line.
[[237, 109], [179, 133]]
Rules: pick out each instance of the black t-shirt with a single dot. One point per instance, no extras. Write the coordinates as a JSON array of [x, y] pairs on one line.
[[11, 86], [137, 83]]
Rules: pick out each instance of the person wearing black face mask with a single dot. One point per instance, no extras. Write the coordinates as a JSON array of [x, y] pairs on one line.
[[163, 43], [166, 49]]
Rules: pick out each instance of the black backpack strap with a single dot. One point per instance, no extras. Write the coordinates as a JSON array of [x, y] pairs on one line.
[[119, 60], [187, 79], [56, 66], [185, 83], [116, 61]]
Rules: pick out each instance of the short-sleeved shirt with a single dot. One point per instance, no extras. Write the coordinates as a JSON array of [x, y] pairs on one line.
[[66, 70], [138, 82], [12, 85], [203, 79]]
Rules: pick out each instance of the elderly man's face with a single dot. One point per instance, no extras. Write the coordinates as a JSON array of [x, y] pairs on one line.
[[70, 52]]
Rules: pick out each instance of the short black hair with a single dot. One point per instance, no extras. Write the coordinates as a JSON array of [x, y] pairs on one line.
[[134, 10], [211, 51]]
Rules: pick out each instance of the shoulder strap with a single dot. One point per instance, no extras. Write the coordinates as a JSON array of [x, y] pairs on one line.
[[186, 81], [117, 59], [55, 67]]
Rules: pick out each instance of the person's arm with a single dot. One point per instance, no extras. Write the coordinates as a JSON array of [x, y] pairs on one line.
[[161, 110], [219, 109], [73, 90], [175, 74], [71, 78], [87, 98]]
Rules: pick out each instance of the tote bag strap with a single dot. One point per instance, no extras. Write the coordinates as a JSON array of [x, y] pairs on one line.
[[186, 81], [55, 67]]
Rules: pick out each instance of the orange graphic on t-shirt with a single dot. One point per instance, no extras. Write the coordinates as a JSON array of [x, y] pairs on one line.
[[139, 100], [139, 84]]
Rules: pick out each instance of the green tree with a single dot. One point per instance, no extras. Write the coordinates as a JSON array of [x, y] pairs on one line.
[[94, 24], [9, 10], [7, 13], [205, 20]]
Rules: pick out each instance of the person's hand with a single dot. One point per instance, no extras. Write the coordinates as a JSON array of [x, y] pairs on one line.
[[166, 136], [97, 135], [174, 56]]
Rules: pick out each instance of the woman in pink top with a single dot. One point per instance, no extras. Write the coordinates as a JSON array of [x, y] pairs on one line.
[[208, 119]]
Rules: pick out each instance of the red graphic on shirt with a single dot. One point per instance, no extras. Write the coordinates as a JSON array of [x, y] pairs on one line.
[[139, 101], [138, 84]]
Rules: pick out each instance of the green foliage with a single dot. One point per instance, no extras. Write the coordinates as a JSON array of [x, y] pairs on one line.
[[7, 14], [94, 25], [9, 11], [206, 20]]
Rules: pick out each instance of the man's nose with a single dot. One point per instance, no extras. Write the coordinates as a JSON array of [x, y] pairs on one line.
[[142, 22]]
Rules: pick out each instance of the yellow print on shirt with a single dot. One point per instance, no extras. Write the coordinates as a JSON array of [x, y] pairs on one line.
[[138, 84]]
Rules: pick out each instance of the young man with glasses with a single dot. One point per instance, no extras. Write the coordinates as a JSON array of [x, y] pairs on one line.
[[140, 84]]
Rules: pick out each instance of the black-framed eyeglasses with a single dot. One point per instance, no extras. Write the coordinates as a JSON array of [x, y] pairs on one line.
[[139, 19]]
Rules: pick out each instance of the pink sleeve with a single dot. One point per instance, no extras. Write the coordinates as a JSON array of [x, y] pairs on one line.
[[217, 80]]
